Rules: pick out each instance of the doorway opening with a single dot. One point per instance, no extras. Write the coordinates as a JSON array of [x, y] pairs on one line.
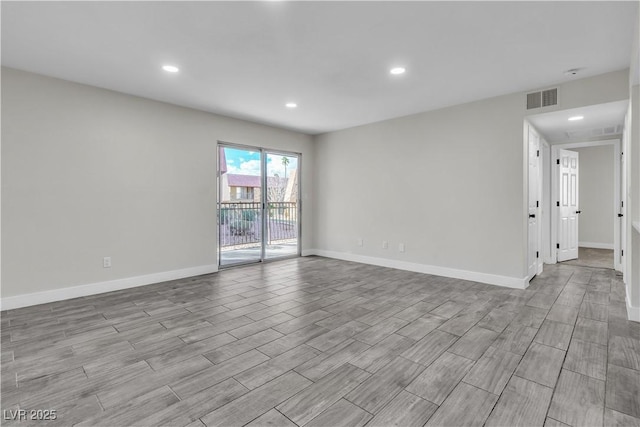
[[581, 224], [258, 204], [598, 219]]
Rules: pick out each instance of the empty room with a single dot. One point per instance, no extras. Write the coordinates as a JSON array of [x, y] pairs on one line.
[[310, 213]]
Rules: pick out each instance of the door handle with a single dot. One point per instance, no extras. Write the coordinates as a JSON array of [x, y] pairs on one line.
[[532, 215], [578, 212], [620, 215]]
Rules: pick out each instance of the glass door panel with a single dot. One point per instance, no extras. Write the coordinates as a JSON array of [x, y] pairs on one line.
[[282, 205], [239, 205]]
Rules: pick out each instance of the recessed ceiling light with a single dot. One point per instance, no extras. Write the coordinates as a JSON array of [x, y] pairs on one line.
[[291, 105], [572, 72], [397, 70], [170, 68], [574, 118]]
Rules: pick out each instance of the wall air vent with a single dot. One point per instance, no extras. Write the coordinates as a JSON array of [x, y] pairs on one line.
[[549, 97], [534, 100], [544, 98]]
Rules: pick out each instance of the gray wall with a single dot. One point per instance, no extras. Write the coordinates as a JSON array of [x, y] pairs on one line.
[[88, 173], [596, 190], [447, 183]]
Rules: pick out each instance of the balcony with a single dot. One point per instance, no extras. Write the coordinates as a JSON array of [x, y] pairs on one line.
[[240, 224]]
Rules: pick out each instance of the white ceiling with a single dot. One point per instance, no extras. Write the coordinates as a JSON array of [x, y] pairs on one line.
[[598, 122], [246, 59]]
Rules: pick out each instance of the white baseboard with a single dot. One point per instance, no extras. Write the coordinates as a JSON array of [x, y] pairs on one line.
[[25, 300], [633, 313], [595, 245], [492, 279]]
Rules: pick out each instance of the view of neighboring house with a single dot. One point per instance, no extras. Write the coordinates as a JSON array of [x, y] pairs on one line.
[[247, 188]]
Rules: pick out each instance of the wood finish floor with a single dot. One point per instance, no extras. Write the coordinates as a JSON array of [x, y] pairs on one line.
[[319, 342]]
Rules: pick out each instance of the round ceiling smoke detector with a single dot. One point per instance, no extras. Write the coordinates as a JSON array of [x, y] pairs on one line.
[[572, 72]]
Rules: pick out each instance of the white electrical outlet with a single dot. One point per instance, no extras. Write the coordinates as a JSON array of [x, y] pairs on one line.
[[401, 247], [106, 262], [360, 241], [385, 244]]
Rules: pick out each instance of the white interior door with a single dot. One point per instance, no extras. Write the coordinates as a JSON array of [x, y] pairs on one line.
[[569, 205], [533, 204]]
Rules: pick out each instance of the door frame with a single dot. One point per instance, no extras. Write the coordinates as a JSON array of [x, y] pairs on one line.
[[529, 129], [263, 194], [616, 195]]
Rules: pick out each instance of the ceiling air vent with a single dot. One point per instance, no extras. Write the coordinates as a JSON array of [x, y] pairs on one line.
[[549, 97], [619, 128], [534, 100]]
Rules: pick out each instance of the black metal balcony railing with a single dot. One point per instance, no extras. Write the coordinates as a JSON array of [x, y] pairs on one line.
[[240, 223]]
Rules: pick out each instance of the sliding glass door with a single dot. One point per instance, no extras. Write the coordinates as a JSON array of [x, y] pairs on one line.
[[281, 231], [258, 204]]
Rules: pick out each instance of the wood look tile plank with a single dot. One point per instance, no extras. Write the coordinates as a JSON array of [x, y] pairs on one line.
[[497, 319], [74, 412], [530, 316], [554, 334], [259, 326], [405, 410], [382, 353], [336, 336], [523, 403], [618, 419], [316, 398], [256, 402], [623, 390], [190, 409], [189, 351], [625, 352], [594, 311], [243, 345], [440, 378], [415, 311], [292, 340], [493, 370], [273, 418], [341, 414], [541, 364], [587, 358], [209, 330], [474, 343], [381, 330], [591, 330], [578, 400], [462, 322], [563, 314], [300, 322], [130, 411], [270, 369], [422, 326], [381, 387], [430, 347], [324, 363], [515, 339], [124, 392], [200, 380], [465, 406], [448, 309], [550, 422]]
